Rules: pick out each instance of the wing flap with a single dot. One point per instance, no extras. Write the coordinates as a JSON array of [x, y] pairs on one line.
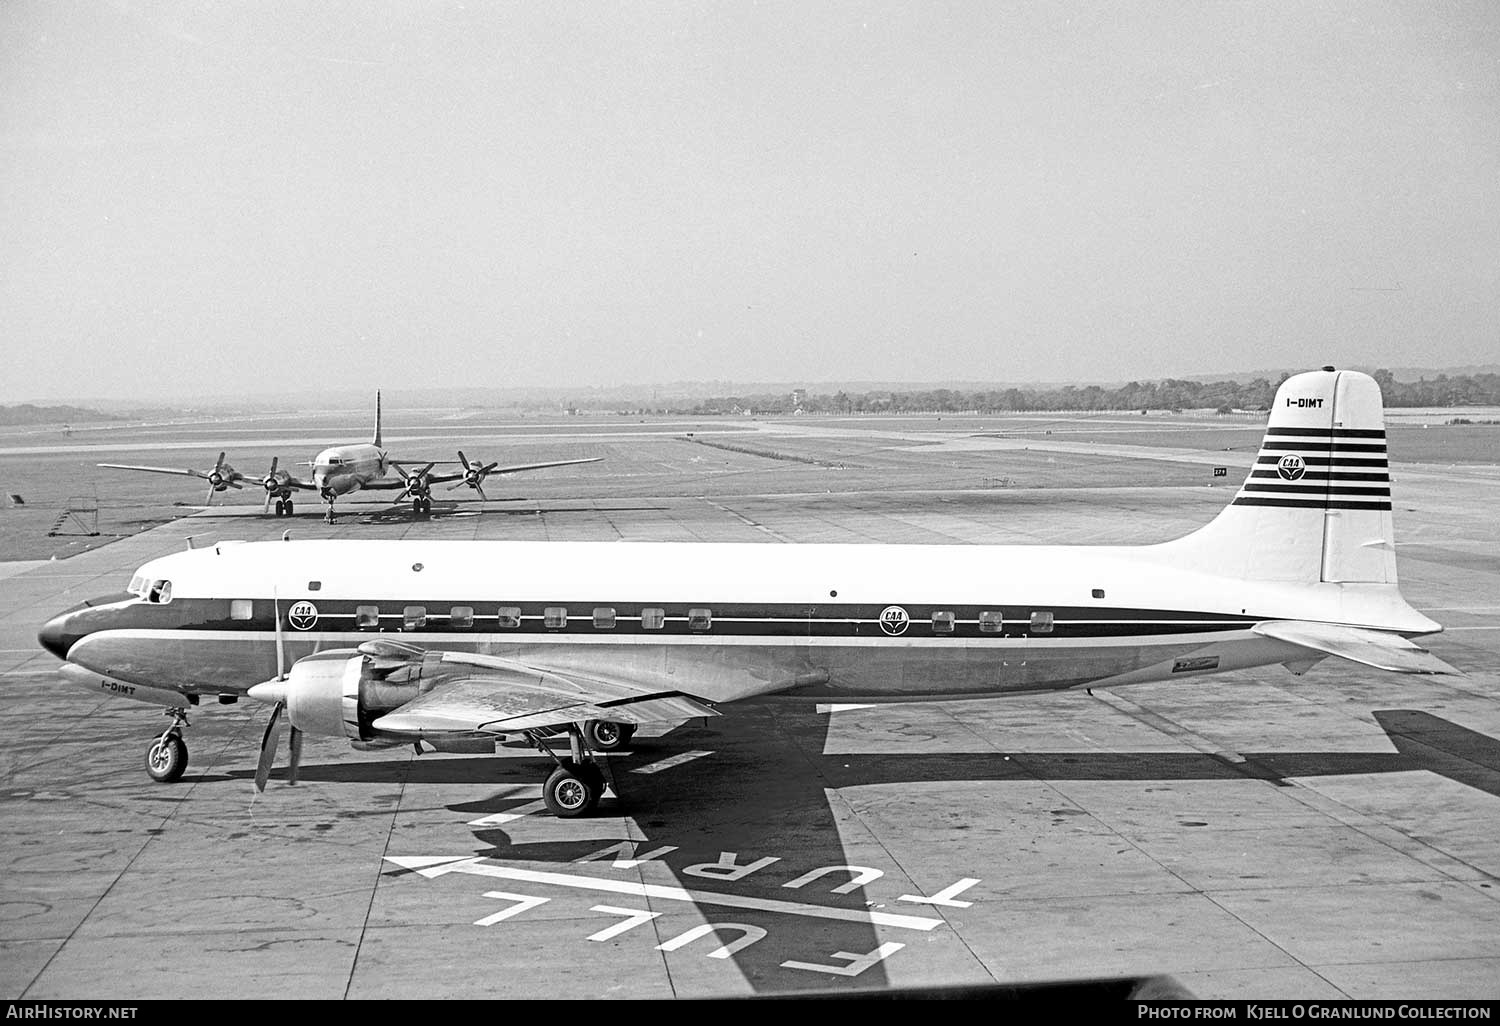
[[494, 695], [1383, 650]]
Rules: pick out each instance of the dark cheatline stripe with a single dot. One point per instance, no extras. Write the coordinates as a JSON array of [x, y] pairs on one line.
[[1309, 503], [1316, 488], [1348, 462], [788, 622], [1333, 476], [1322, 446], [1282, 432]]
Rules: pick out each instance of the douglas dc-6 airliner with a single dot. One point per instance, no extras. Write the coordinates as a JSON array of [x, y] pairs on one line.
[[357, 466], [455, 644]]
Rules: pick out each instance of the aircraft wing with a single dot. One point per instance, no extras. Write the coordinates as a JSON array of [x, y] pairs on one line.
[[444, 478], [181, 471], [499, 696], [1383, 650], [541, 466]]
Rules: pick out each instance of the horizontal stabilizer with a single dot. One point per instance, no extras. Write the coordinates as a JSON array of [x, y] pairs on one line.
[[1383, 650]]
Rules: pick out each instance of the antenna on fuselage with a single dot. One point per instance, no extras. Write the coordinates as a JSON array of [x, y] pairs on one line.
[[272, 736], [280, 647]]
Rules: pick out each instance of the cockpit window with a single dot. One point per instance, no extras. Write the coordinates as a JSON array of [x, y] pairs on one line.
[[137, 585], [160, 591]]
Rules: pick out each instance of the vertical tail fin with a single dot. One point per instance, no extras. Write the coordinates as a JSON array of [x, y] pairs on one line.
[[1316, 506], [377, 418]]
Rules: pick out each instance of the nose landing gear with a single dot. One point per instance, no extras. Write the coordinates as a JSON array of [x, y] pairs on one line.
[[167, 756]]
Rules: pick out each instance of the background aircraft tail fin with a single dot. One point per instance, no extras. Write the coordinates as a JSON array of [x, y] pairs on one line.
[[377, 418], [1316, 506]]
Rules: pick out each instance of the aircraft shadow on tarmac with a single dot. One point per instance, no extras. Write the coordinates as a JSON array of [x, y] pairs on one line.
[[761, 790]]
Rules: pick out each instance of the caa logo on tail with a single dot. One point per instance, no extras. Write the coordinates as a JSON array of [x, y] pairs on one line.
[[1291, 467]]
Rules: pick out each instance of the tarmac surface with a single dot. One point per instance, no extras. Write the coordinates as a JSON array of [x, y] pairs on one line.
[[1251, 835]]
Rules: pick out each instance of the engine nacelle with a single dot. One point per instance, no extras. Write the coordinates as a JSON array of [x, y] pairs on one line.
[[339, 693]]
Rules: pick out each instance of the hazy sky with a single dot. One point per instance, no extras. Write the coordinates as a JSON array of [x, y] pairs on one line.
[[212, 197]]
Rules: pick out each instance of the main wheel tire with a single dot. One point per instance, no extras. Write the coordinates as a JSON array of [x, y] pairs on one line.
[[166, 759], [571, 792], [607, 735], [281, 507], [289, 507]]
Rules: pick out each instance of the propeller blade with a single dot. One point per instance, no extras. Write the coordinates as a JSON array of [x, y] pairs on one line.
[[482, 497], [463, 459], [268, 744], [219, 463], [211, 489], [296, 759], [267, 508]]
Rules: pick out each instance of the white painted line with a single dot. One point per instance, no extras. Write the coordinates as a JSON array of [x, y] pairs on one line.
[[824, 710], [666, 764], [430, 866]]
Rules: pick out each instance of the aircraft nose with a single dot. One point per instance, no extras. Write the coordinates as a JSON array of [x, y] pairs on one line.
[[56, 636]]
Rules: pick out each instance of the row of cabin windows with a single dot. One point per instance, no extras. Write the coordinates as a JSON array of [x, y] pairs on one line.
[[652, 619]]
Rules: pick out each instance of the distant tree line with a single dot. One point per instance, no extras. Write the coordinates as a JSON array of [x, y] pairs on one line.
[[26, 413], [1167, 394]]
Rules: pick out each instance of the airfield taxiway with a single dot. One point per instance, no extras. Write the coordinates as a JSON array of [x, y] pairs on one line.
[[1255, 835]]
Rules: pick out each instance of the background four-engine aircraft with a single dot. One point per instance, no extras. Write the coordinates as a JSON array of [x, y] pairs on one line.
[[359, 466], [460, 643]]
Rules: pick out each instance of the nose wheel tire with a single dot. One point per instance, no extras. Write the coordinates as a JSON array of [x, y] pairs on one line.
[[166, 759], [573, 790]]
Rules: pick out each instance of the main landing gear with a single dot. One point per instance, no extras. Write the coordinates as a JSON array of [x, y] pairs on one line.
[[284, 506], [421, 506], [576, 785], [168, 755]]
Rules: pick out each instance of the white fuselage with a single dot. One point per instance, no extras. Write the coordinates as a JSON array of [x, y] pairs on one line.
[[736, 620], [348, 468]]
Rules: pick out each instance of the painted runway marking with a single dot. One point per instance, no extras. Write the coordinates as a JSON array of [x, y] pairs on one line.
[[435, 866], [857, 963], [522, 902], [674, 761], [944, 896]]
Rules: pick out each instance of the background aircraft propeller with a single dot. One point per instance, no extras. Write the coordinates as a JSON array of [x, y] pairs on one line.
[[474, 474], [274, 482], [416, 484], [221, 477]]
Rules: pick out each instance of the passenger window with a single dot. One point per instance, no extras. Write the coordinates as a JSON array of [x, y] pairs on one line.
[[653, 619], [510, 617], [604, 617], [1041, 623], [367, 616], [314, 585], [555, 616], [991, 620], [700, 619], [239, 609], [413, 617], [461, 616], [942, 622]]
